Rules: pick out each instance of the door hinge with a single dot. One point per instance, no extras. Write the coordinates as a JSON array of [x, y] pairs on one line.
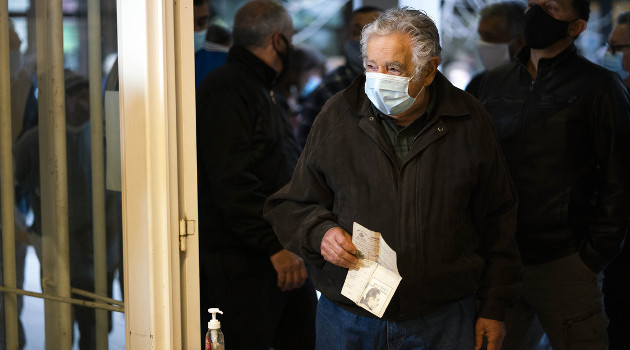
[[186, 228]]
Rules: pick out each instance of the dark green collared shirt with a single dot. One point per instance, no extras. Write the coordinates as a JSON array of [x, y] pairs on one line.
[[403, 137]]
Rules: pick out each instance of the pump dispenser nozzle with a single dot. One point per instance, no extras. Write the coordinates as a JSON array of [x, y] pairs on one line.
[[214, 323]]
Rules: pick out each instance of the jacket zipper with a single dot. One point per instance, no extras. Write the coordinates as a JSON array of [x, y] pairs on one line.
[[523, 116]]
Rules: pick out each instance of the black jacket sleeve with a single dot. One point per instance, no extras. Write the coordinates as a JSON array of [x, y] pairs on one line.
[[302, 209], [611, 134], [226, 151]]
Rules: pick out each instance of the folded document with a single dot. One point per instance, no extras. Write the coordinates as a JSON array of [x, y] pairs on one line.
[[372, 282]]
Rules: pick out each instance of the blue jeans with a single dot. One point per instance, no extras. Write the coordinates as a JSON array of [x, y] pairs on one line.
[[451, 327]]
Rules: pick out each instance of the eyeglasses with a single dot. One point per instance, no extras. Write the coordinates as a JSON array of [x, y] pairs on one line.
[[615, 48]]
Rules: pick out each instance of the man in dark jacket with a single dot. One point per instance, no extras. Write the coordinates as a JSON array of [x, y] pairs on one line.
[[246, 151], [415, 159], [564, 127], [500, 31], [617, 57], [343, 75]]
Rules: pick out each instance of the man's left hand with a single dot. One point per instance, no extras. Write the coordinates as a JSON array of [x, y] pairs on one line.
[[493, 330]]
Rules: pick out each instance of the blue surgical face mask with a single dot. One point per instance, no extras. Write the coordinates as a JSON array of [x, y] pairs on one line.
[[389, 93], [312, 83], [613, 62], [200, 39]]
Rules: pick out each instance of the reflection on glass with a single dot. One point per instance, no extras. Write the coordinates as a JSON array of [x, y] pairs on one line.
[[28, 192]]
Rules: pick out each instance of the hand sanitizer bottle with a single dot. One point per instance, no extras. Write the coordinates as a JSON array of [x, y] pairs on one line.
[[214, 337]]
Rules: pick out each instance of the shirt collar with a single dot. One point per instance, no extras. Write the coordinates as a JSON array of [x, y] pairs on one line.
[[418, 124], [258, 67]]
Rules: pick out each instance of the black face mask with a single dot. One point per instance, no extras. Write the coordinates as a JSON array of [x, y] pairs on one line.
[[541, 29], [287, 57]]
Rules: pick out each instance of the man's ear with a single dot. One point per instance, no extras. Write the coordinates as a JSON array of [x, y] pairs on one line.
[[430, 70], [576, 27], [276, 41]]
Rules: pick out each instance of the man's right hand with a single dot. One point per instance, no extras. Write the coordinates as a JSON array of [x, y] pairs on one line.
[[290, 269], [337, 248]]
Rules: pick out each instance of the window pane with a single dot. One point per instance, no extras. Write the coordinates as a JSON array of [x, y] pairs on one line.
[[30, 197]]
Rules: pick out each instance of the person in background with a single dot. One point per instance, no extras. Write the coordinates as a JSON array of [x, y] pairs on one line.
[[213, 53], [403, 152], [341, 77], [617, 57], [21, 90], [500, 36], [304, 75], [245, 152], [201, 17], [564, 126], [80, 224], [617, 275]]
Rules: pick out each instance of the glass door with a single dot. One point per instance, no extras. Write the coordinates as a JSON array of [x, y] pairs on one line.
[[98, 176]]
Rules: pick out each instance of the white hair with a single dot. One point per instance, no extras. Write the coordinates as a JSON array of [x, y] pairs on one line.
[[425, 39]]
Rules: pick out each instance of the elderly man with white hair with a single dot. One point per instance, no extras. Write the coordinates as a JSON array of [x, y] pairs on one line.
[[404, 153]]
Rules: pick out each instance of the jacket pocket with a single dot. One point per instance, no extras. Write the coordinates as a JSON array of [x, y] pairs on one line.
[[587, 331]]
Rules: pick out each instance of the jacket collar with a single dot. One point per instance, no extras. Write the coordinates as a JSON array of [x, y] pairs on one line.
[[447, 102], [255, 65], [547, 64]]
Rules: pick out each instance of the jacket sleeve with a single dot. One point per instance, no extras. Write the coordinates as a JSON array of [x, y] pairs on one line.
[[225, 150], [611, 127], [301, 212], [494, 206]]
